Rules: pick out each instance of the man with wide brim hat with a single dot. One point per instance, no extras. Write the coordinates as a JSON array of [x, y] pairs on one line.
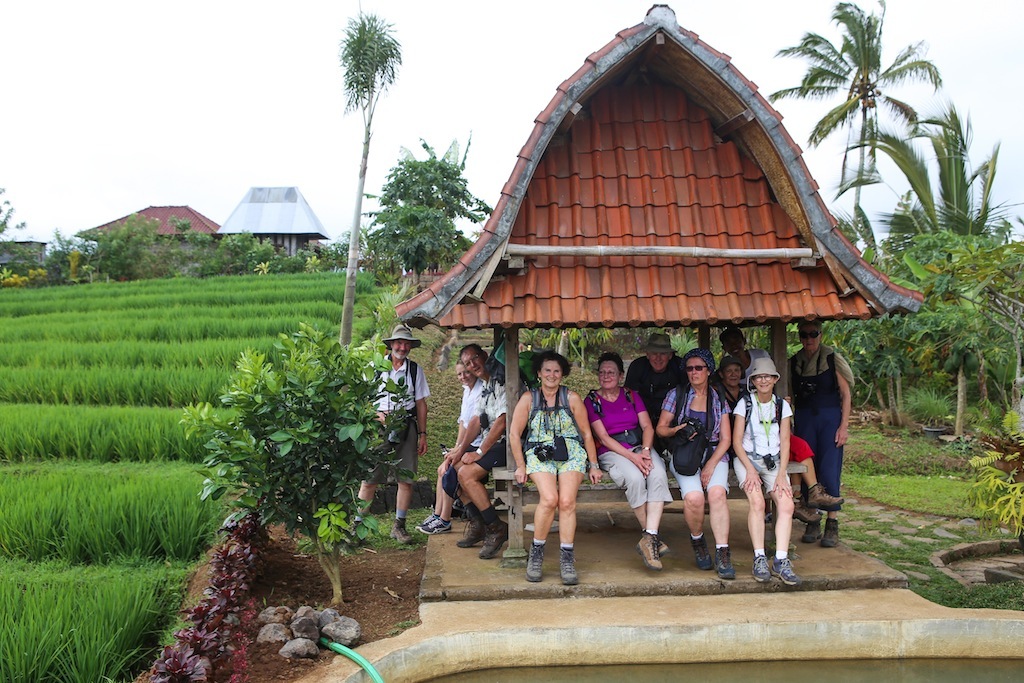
[[653, 375], [408, 442], [402, 333]]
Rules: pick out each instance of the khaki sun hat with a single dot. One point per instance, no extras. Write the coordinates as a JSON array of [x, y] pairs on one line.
[[402, 332], [761, 366]]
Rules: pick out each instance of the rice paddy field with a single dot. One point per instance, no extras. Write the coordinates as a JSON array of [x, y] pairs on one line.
[[101, 520]]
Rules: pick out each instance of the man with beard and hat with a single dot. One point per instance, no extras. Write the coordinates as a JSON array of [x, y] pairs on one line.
[[409, 441]]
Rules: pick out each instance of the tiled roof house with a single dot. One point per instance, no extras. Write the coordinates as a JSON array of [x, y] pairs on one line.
[[658, 188], [164, 214]]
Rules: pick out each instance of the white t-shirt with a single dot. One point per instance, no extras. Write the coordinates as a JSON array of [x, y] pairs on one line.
[[470, 407], [755, 440], [388, 403]]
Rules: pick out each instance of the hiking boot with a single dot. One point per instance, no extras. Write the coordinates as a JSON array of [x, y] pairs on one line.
[[535, 564], [425, 524], [497, 534], [723, 563], [399, 533], [760, 570], [818, 497], [831, 537], [812, 533], [647, 549], [475, 532], [805, 514], [438, 526], [663, 548], [567, 567], [784, 570], [700, 551]]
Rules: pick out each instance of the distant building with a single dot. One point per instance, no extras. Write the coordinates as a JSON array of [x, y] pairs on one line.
[[164, 214], [35, 251], [279, 215]]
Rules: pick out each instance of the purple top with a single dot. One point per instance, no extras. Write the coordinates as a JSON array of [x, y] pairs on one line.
[[617, 416]]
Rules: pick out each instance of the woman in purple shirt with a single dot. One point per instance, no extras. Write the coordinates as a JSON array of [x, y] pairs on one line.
[[624, 434]]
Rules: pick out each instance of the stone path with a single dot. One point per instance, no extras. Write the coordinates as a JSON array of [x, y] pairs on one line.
[[906, 529]]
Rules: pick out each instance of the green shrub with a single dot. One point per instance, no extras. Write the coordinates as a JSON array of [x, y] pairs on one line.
[[930, 406]]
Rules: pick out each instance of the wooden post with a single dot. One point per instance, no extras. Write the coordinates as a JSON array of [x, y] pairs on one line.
[[704, 336], [515, 554], [779, 357]]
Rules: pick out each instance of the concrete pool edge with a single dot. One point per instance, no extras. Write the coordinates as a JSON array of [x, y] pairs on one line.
[[856, 624]]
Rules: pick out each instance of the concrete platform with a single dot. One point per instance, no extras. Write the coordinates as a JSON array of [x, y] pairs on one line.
[[476, 615], [609, 566]]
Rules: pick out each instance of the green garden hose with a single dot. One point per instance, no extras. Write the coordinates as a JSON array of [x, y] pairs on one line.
[[355, 657]]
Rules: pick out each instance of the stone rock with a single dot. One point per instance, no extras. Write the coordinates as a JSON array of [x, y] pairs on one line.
[[306, 627], [942, 533], [344, 631], [306, 611], [300, 648], [274, 633], [276, 615], [894, 542], [968, 522], [327, 616], [904, 530], [918, 575]]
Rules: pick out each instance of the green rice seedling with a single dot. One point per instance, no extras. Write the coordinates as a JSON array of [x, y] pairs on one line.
[[207, 353], [88, 513], [168, 387], [83, 623], [101, 433]]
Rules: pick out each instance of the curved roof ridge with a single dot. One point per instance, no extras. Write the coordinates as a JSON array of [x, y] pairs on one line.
[[727, 94]]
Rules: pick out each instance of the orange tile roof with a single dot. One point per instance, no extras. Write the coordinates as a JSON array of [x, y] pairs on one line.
[[163, 214], [631, 153]]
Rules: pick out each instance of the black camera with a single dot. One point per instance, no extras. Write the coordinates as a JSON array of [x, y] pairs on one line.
[[806, 388], [544, 452], [691, 428], [485, 421], [769, 462]]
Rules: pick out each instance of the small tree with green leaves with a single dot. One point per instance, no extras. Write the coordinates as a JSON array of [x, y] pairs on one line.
[[297, 436]]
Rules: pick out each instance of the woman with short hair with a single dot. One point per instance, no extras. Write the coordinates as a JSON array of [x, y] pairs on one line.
[[558, 451], [625, 437]]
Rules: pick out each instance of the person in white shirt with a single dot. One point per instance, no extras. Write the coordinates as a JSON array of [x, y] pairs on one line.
[[410, 441], [761, 435]]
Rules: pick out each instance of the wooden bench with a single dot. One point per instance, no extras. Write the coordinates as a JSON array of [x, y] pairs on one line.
[[515, 498]]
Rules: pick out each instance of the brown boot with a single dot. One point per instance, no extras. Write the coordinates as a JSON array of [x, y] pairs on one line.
[[399, 533], [497, 534], [818, 497], [831, 537], [475, 533], [805, 514], [647, 549]]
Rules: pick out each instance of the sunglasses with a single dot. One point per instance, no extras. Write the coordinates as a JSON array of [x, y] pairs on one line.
[[696, 368], [812, 334]]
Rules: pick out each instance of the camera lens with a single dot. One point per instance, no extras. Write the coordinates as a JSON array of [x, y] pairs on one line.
[[769, 462]]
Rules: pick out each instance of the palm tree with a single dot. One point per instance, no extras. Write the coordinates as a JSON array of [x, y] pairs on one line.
[[855, 67], [370, 55], [959, 200]]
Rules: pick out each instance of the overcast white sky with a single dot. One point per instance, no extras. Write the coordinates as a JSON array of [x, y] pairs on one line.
[[110, 107]]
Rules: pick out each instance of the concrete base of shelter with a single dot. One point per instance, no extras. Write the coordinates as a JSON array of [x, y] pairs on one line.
[[609, 566], [475, 615]]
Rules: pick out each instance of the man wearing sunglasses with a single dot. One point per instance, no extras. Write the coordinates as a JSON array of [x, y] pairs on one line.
[[821, 379]]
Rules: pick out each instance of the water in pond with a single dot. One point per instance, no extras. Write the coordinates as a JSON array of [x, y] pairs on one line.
[[835, 671]]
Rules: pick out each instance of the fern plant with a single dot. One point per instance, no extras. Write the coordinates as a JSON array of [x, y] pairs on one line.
[[998, 489]]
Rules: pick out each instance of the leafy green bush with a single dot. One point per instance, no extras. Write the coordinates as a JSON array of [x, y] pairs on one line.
[[300, 434]]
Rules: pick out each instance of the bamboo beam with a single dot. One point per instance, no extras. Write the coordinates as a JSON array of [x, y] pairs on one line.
[[692, 252]]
